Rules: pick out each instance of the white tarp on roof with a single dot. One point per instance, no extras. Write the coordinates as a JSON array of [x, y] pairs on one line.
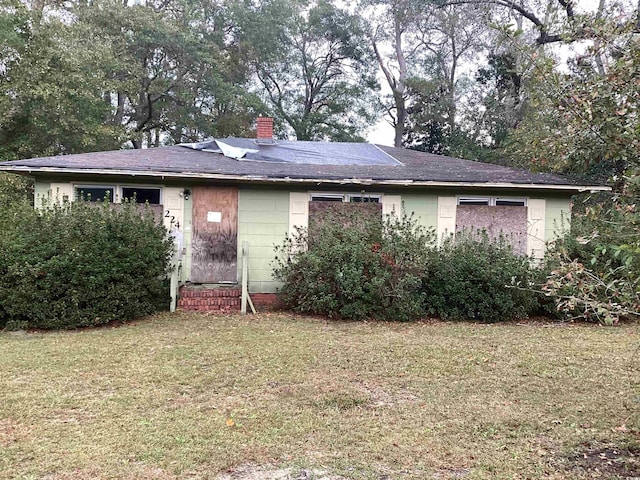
[[234, 152]]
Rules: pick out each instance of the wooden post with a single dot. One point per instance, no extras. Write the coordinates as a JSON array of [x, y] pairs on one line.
[[245, 280], [175, 279]]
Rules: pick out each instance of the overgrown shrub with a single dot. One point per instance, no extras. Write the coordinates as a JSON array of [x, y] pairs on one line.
[[475, 278], [357, 265], [80, 264], [595, 268]]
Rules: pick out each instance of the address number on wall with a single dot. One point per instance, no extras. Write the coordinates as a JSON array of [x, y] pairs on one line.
[[172, 219]]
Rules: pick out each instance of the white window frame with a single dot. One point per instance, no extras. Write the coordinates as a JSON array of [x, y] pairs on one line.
[[510, 199], [117, 189], [346, 196], [156, 187], [325, 195], [491, 201], [78, 188], [473, 201]]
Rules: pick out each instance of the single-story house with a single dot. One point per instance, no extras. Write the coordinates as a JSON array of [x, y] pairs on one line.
[[219, 194]]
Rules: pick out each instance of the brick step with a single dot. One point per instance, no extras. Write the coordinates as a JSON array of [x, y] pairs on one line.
[[186, 292], [203, 299], [209, 301]]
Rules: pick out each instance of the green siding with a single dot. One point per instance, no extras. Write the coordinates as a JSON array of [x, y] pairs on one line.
[[263, 221], [423, 206], [41, 191], [557, 217]]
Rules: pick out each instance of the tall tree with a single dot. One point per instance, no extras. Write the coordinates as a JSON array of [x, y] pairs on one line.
[[418, 44], [176, 77], [427, 127], [395, 41], [312, 69], [51, 86], [82, 76], [502, 101], [454, 39], [584, 122]]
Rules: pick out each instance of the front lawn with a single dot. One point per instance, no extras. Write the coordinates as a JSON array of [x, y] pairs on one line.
[[194, 396]]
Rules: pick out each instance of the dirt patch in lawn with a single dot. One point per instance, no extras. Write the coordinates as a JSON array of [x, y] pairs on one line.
[[255, 472], [605, 460]]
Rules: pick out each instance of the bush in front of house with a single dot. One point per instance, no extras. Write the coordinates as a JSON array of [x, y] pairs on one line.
[[594, 271], [358, 265], [80, 264], [473, 277], [355, 265]]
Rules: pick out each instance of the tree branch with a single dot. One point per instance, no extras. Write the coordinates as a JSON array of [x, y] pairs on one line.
[[543, 38]]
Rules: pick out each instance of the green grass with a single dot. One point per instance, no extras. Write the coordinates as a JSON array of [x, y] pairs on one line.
[[363, 400]]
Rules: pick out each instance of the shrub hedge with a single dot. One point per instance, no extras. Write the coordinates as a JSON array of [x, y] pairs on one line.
[[473, 277], [79, 264], [358, 265]]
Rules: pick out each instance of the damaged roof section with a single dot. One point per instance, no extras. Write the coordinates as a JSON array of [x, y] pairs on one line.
[[298, 152]]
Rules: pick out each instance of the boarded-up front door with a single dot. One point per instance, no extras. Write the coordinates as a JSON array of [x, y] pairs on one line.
[[215, 235]]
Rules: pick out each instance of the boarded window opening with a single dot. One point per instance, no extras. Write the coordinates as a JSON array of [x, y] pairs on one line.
[[349, 213], [509, 222]]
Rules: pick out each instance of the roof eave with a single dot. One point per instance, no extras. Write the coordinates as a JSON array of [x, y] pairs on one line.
[[25, 170]]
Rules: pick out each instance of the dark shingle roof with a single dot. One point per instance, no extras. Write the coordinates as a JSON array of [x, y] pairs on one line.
[[405, 166]]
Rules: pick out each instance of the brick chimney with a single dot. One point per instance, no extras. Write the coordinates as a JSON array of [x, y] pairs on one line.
[[264, 130]]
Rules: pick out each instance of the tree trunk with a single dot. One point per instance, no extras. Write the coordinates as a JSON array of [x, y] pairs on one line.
[[597, 43], [401, 86], [401, 118], [119, 109]]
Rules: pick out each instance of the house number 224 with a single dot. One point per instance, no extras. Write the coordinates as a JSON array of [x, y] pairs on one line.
[[167, 214]]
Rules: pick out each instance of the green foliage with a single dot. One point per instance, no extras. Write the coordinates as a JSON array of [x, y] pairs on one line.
[[52, 101], [358, 265], [313, 66], [89, 76], [586, 122], [15, 189], [475, 278], [80, 264], [428, 126], [596, 267]]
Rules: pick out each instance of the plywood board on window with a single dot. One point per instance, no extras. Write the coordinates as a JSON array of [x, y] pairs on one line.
[[509, 222], [349, 213], [215, 243]]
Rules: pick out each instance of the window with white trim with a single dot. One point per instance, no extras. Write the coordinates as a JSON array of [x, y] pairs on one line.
[[474, 201], [142, 195], [346, 197], [117, 193], [510, 202], [95, 193], [327, 197], [493, 201]]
